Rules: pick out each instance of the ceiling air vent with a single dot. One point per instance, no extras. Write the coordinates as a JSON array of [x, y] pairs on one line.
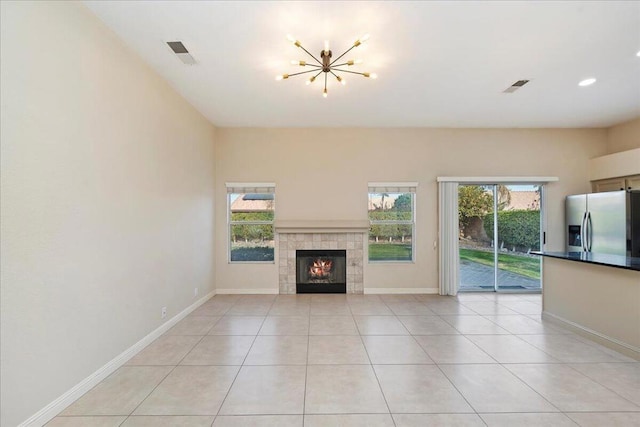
[[181, 52], [517, 85]]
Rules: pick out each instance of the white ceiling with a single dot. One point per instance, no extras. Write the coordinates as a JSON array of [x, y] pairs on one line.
[[440, 64]]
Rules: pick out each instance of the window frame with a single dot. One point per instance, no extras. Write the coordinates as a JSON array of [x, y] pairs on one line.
[[249, 188], [394, 188]]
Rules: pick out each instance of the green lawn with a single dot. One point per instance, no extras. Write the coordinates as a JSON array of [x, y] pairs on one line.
[[525, 266], [389, 252]]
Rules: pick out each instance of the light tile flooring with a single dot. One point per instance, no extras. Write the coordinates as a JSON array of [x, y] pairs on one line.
[[366, 360]]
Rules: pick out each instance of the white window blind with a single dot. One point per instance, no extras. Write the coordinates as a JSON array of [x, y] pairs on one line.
[[392, 187], [253, 187], [448, 233]]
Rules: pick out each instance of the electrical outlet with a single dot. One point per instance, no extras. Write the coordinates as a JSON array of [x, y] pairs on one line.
[[163, 313], [195, 292]]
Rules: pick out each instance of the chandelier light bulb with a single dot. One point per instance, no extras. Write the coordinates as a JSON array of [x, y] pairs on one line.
[[341, 80], [324, 93], [293, 40], [281, 77], [587, 82], [300, 63], [361, 40], [374, 76], [326, 46]]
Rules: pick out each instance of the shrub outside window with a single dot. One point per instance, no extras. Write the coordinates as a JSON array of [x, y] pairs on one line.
[[392, 218], [251, 215]]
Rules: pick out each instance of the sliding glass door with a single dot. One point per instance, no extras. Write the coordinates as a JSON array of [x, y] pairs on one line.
[[499, 227]]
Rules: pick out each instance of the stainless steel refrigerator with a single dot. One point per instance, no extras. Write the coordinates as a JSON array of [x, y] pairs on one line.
[[607, 223]]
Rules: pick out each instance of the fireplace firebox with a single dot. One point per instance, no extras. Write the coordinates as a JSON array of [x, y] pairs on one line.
[[321, 271]]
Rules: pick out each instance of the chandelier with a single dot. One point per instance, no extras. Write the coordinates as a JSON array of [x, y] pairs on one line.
[[326, 65]]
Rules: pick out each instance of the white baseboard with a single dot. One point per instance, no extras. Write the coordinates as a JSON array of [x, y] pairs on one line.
[[401, 290], [44, 415], [607, 341], [247, 291]]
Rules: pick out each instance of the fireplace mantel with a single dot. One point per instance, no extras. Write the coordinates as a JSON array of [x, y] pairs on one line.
[[321, 226]]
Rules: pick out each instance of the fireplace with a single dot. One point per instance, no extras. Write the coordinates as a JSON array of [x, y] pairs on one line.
[[321, 271]]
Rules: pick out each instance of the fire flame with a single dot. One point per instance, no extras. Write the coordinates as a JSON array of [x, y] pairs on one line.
[[321, 268]]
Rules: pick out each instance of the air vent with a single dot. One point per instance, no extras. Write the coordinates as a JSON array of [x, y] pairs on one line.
[[181, 52], [517, 85]]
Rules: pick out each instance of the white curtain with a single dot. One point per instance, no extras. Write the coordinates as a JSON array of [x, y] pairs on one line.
[[448, 236]]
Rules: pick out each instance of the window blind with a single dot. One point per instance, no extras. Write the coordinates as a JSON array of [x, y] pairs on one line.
[[252, 187], [392, 187]]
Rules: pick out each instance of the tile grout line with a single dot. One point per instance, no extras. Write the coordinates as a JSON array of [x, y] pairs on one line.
[[602, 385], [306, 369], [175, 367], [372, 367], [243, 360]]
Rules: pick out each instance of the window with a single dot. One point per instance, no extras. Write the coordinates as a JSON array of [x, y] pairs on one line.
[[392, 217], [251, 214]]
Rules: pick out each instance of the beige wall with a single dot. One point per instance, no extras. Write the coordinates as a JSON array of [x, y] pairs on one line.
[[323, 174], [107, 201], [623, 137]]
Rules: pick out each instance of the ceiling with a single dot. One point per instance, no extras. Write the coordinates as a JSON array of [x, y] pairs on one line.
[[440, 64]]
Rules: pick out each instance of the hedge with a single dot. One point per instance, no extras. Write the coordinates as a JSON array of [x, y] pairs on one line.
[[519, 228], [393, 231]]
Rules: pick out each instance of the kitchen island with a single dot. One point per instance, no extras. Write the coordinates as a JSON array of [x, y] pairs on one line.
[[595, 295]]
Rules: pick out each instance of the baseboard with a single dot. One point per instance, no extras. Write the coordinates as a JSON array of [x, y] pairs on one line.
[[607, 341], [45, 415], [401, 290], [247, 291]]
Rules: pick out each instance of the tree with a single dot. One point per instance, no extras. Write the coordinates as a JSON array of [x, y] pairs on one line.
[[403, 203], [473, 201], [504, 196], [382, 207]]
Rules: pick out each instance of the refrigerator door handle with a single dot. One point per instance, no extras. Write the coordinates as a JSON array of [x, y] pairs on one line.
[[583, 234], [589, 232]]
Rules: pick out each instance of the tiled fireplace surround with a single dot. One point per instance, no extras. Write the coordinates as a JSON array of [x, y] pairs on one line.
[[347, 235]]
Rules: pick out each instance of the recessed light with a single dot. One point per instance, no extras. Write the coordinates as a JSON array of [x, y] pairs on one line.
[[638, 54], [587, 82]]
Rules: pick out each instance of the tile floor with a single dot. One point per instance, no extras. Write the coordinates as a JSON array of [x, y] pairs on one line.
[[366, 360]]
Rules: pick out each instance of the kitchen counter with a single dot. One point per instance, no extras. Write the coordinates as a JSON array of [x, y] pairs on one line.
[[618, 261], [592, 299]]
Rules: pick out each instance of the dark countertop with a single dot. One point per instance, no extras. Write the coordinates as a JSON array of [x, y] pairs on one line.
[[619, 261]]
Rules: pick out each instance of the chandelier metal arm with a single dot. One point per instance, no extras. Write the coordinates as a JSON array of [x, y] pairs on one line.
[[343, 54], [309, 53], [304, 72], [346, 71]]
